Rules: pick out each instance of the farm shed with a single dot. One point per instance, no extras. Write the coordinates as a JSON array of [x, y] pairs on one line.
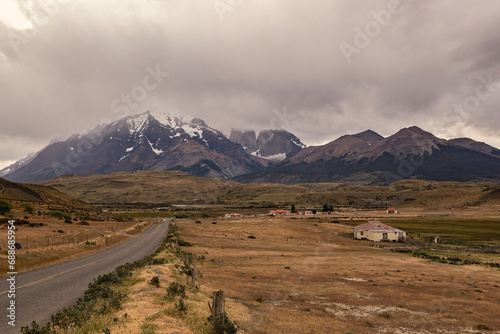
[[279, 212], [376, 231], [233, 215], [391, 210]]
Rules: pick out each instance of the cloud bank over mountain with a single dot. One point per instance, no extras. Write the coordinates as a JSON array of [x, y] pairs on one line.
[[251, 65]]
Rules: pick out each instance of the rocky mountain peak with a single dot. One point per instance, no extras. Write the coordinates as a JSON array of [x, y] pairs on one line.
[[273, 145]]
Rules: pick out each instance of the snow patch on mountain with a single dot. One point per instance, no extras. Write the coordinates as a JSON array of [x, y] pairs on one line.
[[137, 123], [157, 152]]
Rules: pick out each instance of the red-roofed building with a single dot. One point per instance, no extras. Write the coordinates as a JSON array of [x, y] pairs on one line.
[[391, 210], [279, 212], [377, 231]]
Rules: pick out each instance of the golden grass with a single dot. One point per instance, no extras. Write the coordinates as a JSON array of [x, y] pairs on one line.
[[47, 246], [148, 310], [335, 284]]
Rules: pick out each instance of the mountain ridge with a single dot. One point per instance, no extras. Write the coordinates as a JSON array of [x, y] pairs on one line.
[[409, 153], [147, 141], [158, 141]]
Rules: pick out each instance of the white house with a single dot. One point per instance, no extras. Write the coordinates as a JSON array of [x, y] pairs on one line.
[[233, 215], [279, 212], [306, 213], [377, 231]]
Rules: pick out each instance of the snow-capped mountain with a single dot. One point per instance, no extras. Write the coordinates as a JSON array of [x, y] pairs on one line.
[[153, 140], [274, 145], [369, 158], [18, 164]]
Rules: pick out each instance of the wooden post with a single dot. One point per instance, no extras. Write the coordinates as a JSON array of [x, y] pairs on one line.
[[218, 303]]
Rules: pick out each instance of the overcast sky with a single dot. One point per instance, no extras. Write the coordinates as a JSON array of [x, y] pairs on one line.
[[319, 68]]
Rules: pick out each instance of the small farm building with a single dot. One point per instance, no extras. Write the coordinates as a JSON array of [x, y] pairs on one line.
[[279, 212], [391, 210], [306, 213], [233, 215], [377, 231]]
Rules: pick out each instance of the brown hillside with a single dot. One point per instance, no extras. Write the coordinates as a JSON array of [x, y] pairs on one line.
[[18, 192], [175, 187], [37, 193]]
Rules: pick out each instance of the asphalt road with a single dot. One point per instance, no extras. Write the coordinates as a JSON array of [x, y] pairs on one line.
[[43, 292]]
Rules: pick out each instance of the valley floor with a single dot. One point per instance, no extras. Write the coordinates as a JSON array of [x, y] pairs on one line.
[[304, 276]]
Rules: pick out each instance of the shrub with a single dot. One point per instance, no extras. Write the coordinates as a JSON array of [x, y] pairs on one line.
[[221, 324], [180, 306], [68, 221], [483, 326], [83, 222], [155, 280], [197, 222], [184, 243], [34, 328], [60, 214], [385, 315], [5, 206], [28, 207], [175, 289]]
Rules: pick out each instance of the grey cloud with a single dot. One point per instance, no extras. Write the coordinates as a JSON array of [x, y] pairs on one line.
[[264, 55]]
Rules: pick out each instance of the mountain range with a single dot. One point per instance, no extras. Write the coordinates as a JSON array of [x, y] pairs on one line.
[[153, 140], [369, 158], [158, 141]]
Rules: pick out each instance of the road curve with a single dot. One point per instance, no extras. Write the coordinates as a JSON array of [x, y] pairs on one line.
[[43, 292]]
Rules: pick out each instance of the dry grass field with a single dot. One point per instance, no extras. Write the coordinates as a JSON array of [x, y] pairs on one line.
[[303, 276], [55, 240]]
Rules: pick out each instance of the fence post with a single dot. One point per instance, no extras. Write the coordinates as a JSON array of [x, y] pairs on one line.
[[218, 303]]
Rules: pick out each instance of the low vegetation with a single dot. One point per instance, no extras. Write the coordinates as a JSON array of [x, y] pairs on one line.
[[5, 206], [60, 214]]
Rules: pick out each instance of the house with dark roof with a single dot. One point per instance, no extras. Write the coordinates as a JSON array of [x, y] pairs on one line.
[[374, 230]]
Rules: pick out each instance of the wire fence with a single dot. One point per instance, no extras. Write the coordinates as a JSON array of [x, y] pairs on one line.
[[33, 242]]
